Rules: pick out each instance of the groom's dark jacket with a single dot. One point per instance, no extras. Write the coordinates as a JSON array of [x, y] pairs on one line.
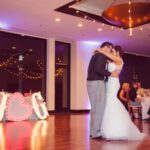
[[149, 111], [97, 67]]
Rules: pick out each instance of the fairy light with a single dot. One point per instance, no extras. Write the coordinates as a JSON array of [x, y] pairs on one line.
[[31, 77], [141, 28], [26, 73], [11, 72], [83, 15], [59, 72], [59, 60], [6, 62], [130, 19], [112, 27], [121, 29]]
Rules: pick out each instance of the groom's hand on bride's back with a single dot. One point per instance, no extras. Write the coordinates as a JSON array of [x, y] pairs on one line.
[[115, 73]]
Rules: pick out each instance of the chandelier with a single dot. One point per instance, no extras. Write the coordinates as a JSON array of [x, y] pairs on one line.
[[128, 15]]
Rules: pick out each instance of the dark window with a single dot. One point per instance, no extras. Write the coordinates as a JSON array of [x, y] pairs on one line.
[[62, 76], [22, 63]]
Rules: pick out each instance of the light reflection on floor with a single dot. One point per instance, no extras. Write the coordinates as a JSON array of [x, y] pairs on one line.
[[63, 131]]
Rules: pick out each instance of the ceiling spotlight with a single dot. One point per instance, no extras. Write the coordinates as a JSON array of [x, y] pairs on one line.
[[77, 11], [13, 47], [112, 27], [99, 29], [57, 19], [80, 25], [141, 28]]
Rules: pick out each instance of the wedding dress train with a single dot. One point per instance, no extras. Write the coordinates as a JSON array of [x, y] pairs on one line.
[[116, 124]]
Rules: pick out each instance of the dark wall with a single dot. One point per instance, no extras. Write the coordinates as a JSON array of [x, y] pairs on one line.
[[32, 49], [136, 66]]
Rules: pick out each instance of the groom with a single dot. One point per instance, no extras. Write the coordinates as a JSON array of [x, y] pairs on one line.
[[97, 73]]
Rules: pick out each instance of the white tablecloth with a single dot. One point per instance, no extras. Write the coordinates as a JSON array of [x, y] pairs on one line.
[[145, 107]]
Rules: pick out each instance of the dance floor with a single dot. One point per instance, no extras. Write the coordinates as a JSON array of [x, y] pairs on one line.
[[63, 131]]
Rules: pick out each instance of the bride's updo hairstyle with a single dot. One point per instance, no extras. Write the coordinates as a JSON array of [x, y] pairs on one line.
[[119, 49]]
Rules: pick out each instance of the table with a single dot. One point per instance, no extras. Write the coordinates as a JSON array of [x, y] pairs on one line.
[[145, 107]]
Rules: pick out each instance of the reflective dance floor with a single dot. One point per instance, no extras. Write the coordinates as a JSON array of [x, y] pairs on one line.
[[63, 131]]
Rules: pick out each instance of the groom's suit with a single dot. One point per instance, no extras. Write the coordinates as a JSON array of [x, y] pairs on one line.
[[96, 91], [149, 111]]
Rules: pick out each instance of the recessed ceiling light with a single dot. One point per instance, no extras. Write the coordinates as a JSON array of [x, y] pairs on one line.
[[112, 27], [141, 28], [13, 47], [80, 25], [57, 19], [99, 29]]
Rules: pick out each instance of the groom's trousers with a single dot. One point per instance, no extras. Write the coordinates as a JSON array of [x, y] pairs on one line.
[[96, 92]]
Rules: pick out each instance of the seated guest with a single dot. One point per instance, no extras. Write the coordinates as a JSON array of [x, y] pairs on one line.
[[123, 94], [133, 95], [139, 90]]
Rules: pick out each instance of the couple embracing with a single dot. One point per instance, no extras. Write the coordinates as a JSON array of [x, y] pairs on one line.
[[109, 119]]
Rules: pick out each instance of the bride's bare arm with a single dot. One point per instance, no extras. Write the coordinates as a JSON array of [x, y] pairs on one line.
[[114, 58]]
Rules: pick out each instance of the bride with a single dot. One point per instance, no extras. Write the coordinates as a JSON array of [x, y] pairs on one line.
[[116, 124]]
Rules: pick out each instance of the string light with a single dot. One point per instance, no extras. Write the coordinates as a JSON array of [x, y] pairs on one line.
[[130, 19], [31, 77], [11, 72], [59, 60], [40, 64], [28, 74], [6, 62], [59, 72], [121, 29], [85, 16], [141, 28], [112, 27]]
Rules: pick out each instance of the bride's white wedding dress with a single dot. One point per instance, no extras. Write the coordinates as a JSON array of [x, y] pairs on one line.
[[116, 124]]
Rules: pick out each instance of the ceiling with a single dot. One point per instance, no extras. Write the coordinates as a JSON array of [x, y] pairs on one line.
[[37, 18]]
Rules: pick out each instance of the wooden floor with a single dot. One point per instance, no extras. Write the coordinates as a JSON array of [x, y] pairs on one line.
[[62, 132]]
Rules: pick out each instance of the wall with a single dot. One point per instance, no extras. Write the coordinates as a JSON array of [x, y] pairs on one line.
[[31, 50], [80, 56], [136, 65], [50, 82], [81, 53]]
